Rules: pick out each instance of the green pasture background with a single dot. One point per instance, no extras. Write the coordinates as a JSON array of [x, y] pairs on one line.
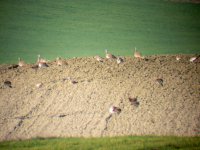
[[71, 28], [106, 143]]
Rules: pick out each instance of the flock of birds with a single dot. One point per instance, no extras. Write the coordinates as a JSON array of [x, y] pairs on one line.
[[110, 56], [42, 63]]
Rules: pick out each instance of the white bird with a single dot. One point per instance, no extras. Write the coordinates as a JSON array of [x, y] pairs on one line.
[[39, 85], [178, 58], [98, 58], [42, 65], [109, 56], [137, 54], [192, 59], [21, 63], [41, 59], [114, 109], [41, 62], [119, 60]]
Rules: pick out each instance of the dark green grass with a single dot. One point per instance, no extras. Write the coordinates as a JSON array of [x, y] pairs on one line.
[[71, 28], [116, 143]]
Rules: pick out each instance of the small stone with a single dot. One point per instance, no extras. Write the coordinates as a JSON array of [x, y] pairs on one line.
[[39, 85], [74, 82], [8, 84], [61, 116], [134, 101], [160, 81]]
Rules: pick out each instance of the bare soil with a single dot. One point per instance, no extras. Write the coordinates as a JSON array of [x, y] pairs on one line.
[[60, 108]]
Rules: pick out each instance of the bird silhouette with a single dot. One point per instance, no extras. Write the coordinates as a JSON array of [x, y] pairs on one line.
[[134, 101]]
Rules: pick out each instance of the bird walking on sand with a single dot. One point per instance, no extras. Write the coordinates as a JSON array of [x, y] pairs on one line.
[[60, 62], [109, 56], [38, 85], [41, 59], [120, 60], [137, 54], [42, 63], [194, 59], [114, 110], [21, 63], [178, 58], [98, 58], [134, 101]]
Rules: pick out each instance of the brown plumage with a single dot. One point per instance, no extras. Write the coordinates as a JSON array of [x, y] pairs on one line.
[[42, 65], [13, 66], [98, 58], [109, 56], [8, 84], [120, 60], [74, 82], [160, 81], [137, 54], [41, 59], [134, 101], [41, 62], [60, 62], [21, 63], [195, 59], [114, 109]]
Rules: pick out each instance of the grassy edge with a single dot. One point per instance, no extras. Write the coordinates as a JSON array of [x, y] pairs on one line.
[[120, 142]]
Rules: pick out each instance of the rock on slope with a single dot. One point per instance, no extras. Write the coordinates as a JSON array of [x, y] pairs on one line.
[[60, 108]]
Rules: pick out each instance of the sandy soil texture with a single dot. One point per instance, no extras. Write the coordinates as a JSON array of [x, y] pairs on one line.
[[74, 100]]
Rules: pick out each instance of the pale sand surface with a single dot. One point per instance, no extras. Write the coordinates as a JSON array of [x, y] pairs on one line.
[[62, 109]]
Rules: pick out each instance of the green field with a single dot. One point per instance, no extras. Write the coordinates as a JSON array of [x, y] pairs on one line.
[[116, 143], [71, 28]]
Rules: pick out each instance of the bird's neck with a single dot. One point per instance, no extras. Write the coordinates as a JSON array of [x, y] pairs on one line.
[[38, 58]]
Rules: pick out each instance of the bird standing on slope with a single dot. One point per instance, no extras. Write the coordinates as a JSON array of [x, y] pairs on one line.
[[195, 59], [134, 101], [21, 63], [98, 58], [60, 62], [138, 54], [41, 62], [114, 110], [178, 57], [109, 56], [120, 60], [41, 59]]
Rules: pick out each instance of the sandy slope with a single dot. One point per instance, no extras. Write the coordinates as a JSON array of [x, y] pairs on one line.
[[62, 109]]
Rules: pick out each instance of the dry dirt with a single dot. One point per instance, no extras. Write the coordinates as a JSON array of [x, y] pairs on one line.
[[60, 108]]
